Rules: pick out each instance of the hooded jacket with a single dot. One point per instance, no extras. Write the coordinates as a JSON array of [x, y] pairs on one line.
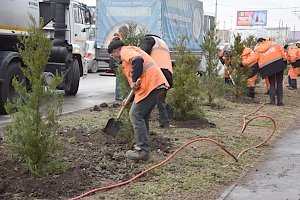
[[247, 54], [270, 57]]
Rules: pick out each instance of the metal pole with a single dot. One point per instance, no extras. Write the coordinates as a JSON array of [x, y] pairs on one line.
[[216, 13], [224, 32], [286, 34], [294, 35]]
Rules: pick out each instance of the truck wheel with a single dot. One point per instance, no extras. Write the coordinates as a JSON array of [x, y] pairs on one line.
[[74, 77], [7, 89], [94, 66]]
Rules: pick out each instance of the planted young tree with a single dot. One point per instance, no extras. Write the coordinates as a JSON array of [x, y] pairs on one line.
[[133, 36], [250, 41], [239, 74], [212, 85], [185, 97], [32, 134]]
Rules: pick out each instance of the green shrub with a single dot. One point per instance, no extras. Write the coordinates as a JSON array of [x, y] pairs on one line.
[[184, 98], [29, 136], [212, 84], [250, 41], [240, 74], [133, 36]]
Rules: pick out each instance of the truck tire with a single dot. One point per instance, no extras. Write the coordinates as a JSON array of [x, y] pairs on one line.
[[74, 77], [7, 90], [94, 66]]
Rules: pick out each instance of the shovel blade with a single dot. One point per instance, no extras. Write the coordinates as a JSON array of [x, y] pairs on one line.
[[112, 127]]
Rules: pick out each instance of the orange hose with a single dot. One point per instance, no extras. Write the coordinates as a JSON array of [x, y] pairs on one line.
[[245, 124], [155, 166], [263, 142]]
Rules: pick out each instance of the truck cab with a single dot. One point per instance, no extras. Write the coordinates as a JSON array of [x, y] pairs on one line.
[[65, 22]]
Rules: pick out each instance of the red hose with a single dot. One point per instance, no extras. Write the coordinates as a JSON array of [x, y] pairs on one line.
[[185, 145], [155, 166], [263, 142]]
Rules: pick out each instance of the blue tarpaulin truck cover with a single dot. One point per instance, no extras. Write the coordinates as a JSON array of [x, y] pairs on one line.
[[168, 19]]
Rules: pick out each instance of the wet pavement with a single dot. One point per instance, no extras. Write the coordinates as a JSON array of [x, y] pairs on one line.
[[277, 178], [93, 90]]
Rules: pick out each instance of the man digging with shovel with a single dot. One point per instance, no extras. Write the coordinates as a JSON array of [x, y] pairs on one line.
[[137, 64]]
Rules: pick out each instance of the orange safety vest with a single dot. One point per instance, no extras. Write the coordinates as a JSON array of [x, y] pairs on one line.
[[161, 54], [246, 56], [247, 52], [293, 56], [269, 56], [152, 76], [293, 72]]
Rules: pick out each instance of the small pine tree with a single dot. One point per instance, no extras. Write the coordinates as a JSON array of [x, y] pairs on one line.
[[185, 97], [212, 85], [239, 74], [29, 136], [250, 41], [131, 36]]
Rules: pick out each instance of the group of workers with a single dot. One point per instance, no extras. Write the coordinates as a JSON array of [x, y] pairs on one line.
[[268, 59], [152, 65]]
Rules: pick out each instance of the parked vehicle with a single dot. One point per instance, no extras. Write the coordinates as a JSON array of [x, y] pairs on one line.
[[89, 56], [89, 50], [168, 19], [65, 22]]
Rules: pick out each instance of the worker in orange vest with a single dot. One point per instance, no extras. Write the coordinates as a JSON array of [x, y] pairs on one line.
[[293, 58], [271, 61], [159, 51], [137, 64], [113, 64], [247, 52]]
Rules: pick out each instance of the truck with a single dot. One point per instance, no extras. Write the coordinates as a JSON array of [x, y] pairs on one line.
[[168, 19], [65, 22]]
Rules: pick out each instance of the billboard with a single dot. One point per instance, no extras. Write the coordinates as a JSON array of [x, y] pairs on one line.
[[251, 18]]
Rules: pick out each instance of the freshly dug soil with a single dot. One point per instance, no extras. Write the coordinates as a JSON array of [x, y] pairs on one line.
[[96, 159]]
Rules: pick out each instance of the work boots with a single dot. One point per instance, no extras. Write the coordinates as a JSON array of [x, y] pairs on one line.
[[289, 81], [279, 100], [293, 84], [251, 92], [138, 155]]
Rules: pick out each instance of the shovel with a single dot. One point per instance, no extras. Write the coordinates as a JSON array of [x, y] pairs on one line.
[[113, 125]]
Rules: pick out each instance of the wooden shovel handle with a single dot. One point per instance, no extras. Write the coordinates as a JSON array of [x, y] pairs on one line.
[[128, 98]]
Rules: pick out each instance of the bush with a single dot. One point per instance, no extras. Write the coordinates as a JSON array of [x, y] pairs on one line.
[[212, 85], [29, 136], [131, 36], [185, 97], [240, 74]]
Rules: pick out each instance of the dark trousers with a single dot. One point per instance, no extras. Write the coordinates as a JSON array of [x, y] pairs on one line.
[[139, 115], [162, 110], [276, 87]]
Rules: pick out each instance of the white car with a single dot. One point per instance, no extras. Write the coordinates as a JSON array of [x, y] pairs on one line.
[[89, 56]]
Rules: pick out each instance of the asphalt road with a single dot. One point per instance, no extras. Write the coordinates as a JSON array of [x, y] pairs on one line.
[[93, 90]]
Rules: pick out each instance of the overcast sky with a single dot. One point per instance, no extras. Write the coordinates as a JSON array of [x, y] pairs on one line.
[[282, 11]]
